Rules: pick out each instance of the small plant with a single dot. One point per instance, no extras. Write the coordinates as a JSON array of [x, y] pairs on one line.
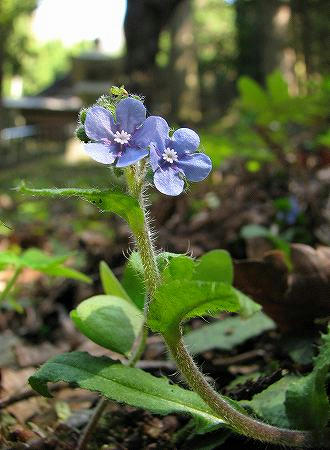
[[38, 260], [161, 291]]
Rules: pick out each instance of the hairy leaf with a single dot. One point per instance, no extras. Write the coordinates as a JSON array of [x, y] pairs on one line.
[[181, 300], [215, 265], [125, 385], [108, 200], [111, 322], [307, 403]]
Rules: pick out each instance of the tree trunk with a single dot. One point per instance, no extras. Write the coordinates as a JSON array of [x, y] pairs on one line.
[[263, 34], [183, 67]]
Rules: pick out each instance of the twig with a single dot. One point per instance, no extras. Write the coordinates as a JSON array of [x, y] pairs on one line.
[[25, 395]]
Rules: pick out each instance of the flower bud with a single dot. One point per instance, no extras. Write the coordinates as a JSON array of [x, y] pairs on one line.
[[82, 115], [81, 134]]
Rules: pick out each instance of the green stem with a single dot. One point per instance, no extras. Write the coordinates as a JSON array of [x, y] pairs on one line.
[[240, 422], [135, 183], [10, 284]]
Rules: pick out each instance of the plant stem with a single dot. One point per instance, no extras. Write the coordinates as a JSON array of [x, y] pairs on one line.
[[135, 183], [10, 284], [240, 422], [103, 402]]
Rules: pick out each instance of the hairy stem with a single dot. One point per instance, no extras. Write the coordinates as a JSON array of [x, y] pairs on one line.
[[135, 183], [10, 284], [240, 422]]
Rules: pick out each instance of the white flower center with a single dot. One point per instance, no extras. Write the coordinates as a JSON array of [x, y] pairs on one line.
[[170, 155], [122, 137]]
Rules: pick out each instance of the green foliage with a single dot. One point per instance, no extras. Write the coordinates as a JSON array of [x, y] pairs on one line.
[[180, 300], [38, 260], [269, 404], [133, 279], [124, 384], [298, 402], [192, 288], [228, 333], [107, 200], [307, 402], [110, 283], [215, 265], [266, 123], [112, 322]]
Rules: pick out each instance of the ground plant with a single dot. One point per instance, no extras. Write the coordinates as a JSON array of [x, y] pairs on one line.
[[161, 291]]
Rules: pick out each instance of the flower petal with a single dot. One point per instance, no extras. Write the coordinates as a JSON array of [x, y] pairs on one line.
[[196, 167], [99, 124], [102, 153], [130, 113], [155, 158], [168, 181], [185, 139], [130, 156], [154, 129]]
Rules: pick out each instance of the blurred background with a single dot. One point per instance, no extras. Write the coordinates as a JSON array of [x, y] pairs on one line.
[[251, 76]]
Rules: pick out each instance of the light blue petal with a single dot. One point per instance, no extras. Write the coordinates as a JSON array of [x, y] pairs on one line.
[[101, 153], [196, 167], [155, 158], [99, 124], [185, 139], [168, 181], [155, 129], [130, 156], [130, 114]]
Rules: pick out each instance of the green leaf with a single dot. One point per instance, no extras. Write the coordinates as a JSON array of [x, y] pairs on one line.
[[179, 268], [108, 200], [228, 333], [41, 261], [307, 403], [111, 322], [253, 96], [66, 272], [38, 260], [215, 265], [110, 283], [277, 88], [124, 385], [180, 300], [269, 404], [164, 258], [248, 307], [8, 258], [133, 280]]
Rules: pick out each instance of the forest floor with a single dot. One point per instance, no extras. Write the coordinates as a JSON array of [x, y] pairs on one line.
[[212, 216]]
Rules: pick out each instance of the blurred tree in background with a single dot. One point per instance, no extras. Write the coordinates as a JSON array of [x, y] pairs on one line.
[[13, 40]]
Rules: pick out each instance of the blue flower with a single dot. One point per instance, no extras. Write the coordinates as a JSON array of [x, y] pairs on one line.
[[174, 158], [123, 141]]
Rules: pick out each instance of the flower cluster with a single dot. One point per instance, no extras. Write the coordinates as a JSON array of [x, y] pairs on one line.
[[125, 137]]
